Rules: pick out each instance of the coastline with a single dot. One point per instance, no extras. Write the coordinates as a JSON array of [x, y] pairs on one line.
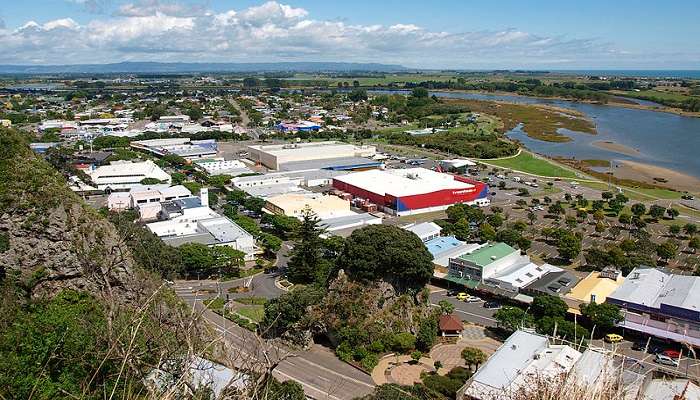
[[633, 170], [612, 102]]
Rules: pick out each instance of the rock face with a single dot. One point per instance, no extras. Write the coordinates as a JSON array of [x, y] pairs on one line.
[[51, 239], [376, 308]]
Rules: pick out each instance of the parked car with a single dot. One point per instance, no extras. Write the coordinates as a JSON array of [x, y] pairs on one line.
[[462, 296], [665, 360], [493, 305], [613, 338], [452, 292], [653, 347], [675, 354], [472, 299]]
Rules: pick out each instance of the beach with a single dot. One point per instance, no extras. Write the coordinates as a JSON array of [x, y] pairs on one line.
[[641, 172], [616, 147]]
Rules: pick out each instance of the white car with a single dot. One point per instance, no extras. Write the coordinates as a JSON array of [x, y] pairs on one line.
[[665, 360], [472, 299]]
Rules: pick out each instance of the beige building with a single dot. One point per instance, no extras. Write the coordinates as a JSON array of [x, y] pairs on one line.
[[294, 204], [5, 123], [597, 286], [275, 155]]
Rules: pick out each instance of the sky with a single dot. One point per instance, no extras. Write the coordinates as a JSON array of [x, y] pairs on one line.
[[438, 34]]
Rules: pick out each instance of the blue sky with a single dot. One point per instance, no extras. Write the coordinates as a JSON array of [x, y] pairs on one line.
[[436, 34]]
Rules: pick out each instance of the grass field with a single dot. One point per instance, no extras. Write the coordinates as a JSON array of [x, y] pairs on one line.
[[664, 95], [255, 313], [526, 162]]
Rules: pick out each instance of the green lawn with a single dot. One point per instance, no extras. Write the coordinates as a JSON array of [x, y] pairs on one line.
[[660, 193], [255, 313], [526, 162]]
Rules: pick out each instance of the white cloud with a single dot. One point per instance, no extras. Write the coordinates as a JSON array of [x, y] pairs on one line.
[[157, 30]]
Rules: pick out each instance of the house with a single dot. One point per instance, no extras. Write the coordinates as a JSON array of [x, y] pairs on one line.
[[450, 325], [661, 304]]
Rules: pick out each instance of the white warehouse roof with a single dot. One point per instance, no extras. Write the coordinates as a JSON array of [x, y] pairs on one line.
[[403, 182]]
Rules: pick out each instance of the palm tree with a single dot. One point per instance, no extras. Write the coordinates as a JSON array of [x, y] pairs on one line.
[[473, 356]]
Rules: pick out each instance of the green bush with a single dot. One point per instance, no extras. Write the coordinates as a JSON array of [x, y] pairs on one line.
[[403, 342], [376, 347], [369, 362]]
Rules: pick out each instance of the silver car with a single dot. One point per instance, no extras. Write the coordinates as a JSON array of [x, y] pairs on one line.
[[665, 360]]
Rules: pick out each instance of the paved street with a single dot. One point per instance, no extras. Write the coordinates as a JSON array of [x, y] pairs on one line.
[[318, 370], [474, 313]]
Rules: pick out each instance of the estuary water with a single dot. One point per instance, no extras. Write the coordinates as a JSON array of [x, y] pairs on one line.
[[662, 139]]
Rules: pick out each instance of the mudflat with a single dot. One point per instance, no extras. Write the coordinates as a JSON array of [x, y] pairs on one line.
[[616, 147], [646, 173]]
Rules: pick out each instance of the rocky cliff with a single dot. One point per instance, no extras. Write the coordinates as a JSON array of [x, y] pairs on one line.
[[49, 238]]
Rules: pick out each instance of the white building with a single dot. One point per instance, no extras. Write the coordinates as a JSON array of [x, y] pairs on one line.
[[498, 265], [223, 167], [526, 357], [126, 174], [425, 230], [197, 223], [274, 156]]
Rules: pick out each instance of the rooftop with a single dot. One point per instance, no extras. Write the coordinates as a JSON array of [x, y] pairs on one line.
[[486, 255], [404, 182], [594, 285], [653, 288]]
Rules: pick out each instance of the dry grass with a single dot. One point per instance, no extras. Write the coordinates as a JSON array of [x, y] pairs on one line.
[[540, 122]]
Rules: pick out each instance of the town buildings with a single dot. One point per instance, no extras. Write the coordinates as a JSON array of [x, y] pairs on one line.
[[497, 265], [661, 304]]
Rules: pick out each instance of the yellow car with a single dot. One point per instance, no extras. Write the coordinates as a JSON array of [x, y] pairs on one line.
[[462, 296], [613, 338]]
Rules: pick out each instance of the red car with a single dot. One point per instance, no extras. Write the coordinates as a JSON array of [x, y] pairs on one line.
[[672, 354]]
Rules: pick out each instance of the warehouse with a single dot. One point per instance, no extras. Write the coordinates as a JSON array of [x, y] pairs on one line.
[[183, 147], [126, 174], [413, 190], [277, 155]]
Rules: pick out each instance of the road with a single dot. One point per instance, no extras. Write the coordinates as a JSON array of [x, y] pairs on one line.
[[474, 313], [318, 370]]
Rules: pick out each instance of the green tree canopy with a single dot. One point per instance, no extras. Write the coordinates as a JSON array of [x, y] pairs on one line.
[[387, 252]]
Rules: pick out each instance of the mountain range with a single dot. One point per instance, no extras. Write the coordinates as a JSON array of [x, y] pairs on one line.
[[183, 68]]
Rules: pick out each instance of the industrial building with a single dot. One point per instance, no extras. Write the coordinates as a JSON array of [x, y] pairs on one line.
[[126, 174], [278, 156], [145, 194], [183, 147], [296, 204], [194, 222], [413, 190], [219, 166]]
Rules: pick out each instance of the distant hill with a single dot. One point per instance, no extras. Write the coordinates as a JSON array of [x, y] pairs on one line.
[[183, 68]]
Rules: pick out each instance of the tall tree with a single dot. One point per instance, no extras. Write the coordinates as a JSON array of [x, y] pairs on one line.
[[305, 263]]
